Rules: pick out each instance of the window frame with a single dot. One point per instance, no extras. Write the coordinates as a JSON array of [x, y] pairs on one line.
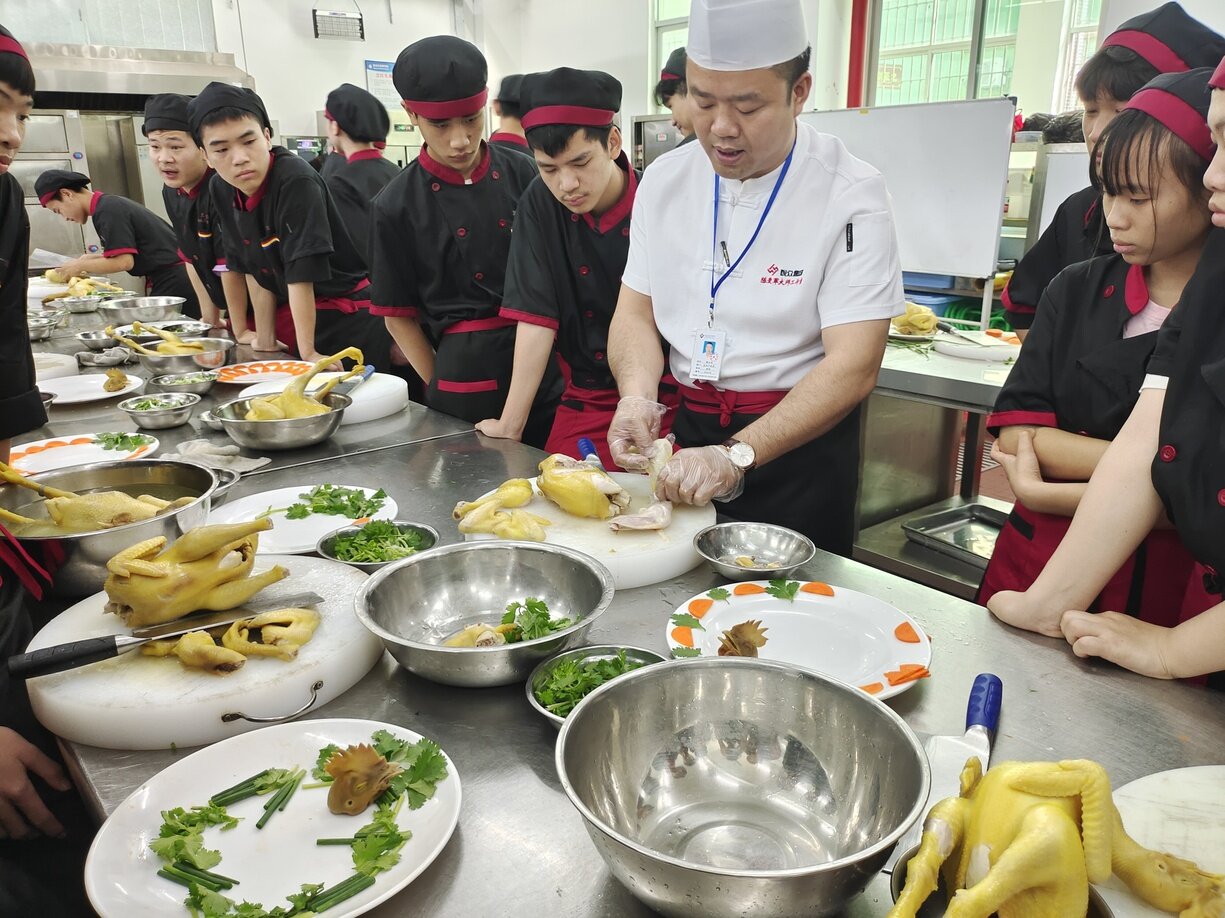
[[659, 27]]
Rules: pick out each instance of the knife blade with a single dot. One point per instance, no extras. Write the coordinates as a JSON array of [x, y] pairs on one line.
[[950, 330], [61, 657], [947, 755]]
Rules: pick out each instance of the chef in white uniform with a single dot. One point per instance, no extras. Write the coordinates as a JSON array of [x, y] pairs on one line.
[[765, 257]]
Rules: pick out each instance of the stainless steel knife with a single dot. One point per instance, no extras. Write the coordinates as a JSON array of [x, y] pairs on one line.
[[950, 330], [62, 657], [947, 755]]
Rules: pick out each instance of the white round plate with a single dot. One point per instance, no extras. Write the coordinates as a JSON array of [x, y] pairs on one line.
[[291, 537], [1181, 811], [74, 390], [80, 449], [270, 864], [262, 371], [831, 630], [993, 351]]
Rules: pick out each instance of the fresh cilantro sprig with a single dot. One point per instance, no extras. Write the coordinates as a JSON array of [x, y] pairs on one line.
[[124, 441], [572, 680], [784, 589], [531, 620], [332, 500], [720, 595]]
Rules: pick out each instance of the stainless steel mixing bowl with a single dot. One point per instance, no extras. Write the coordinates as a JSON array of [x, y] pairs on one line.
[[738, 788], [177, 410], [96, 340], [637, 656], [326, 546], [178, 382], [777, 550], [417, 603], [292, 433], [122, 310], [216, 354], [83, 568]]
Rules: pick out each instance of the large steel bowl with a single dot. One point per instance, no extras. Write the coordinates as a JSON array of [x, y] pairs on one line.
[[123, 310], [83, 568], [216, 354], [292, 433], [738, 788], [417, 603], [775, 551]]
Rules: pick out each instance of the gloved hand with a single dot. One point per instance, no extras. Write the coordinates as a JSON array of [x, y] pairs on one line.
[[215, 456], [698, 475], [634, 427]]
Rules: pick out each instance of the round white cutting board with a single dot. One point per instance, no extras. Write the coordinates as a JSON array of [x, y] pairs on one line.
[[634, 558], [1181, 811], [141, 702], [379, 396]]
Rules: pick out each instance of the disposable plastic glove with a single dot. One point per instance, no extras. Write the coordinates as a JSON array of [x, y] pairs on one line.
[[634, 427], [698, 475]]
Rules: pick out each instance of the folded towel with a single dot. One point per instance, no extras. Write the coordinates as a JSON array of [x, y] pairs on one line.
[[215, 456], [111, 357]]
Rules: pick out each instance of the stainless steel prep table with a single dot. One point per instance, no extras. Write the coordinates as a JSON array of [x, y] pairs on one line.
[[521, 849]]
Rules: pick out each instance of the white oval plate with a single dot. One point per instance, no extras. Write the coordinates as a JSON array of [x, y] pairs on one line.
[[121, 872], [257, 371], [74, 390], [73, 449], [291, 537], [848, 635]]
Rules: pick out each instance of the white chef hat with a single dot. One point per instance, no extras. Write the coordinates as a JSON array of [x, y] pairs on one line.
[[745, 34]]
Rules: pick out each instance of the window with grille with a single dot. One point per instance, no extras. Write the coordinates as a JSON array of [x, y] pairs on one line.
[[1079, 43], [671, 18]]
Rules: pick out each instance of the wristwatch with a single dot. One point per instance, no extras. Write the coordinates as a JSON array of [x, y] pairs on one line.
[[742, 454]]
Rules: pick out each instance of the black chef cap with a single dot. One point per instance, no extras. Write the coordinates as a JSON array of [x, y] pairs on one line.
[[1169, 39], [10, 45], [1180, 102], [166, 112], [15, 66], [358, 113], [53, 181], [442, 77], [674, 69], [1218, 78], [585, 98], [509, 88], [216, 96]]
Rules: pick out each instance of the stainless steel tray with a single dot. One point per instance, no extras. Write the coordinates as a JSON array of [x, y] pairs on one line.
[[966, 533]]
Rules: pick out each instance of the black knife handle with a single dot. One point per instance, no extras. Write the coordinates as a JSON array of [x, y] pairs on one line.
[[63, 656]]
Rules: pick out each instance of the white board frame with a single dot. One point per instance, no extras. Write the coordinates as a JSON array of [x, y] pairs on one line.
[[946, 166]]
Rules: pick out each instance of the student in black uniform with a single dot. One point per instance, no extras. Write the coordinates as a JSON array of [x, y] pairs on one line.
[[282, 227], [566, 257], [1165, 40], [508, 106], [441, 236], [357, 129], [44, 833], [1080, 371], [186, 172], [1169, 457], [134, 239], [672, 92]]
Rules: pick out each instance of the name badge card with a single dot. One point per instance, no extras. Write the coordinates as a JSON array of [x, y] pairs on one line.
[[707, 359]]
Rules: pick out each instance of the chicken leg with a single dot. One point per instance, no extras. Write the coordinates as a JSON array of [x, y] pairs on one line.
[[293, 402]]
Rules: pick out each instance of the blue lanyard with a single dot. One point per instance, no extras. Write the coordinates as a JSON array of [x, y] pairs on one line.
[[715, 284]]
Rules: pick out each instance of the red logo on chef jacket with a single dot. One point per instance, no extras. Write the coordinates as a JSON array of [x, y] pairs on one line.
[[783, 277]]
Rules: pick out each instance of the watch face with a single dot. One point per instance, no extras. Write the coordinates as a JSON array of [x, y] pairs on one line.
[[742, 455]]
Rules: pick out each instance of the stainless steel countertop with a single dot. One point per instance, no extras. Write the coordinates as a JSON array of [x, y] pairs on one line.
[[521, 841], [954, 382]]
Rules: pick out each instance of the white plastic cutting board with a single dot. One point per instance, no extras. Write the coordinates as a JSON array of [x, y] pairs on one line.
[[634, 558], [140, 702], [1181, 811], [379, 396]]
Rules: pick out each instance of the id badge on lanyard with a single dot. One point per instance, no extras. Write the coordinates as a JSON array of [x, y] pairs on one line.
[[706, 361]]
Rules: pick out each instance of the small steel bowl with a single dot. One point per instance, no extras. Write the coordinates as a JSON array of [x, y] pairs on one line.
[[416, 603], [172, 382], [47, 397], [160, 418], [54, 314], [80, 304], [210, 420], [766, 543], [740, 788], [326, 546], [123, 310], [292, 433], [216, 354], [226, 479], [182, 326], [96, 340], [588, 654], [40, 329]]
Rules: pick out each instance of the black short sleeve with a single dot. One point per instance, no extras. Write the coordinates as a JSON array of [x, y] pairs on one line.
[[395, 286], [531, 294], [1028, 396], [115, 229], [302, 222], [1162, 362]]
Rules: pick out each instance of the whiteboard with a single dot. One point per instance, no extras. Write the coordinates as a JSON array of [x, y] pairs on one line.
[[946, 165]]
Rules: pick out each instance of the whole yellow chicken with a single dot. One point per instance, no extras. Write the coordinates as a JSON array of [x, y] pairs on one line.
[[171, 346], [293, 402], [581, 489]]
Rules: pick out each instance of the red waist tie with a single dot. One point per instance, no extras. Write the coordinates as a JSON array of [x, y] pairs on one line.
[[477, 325], [345, 302], [14, 556], [706, 399]]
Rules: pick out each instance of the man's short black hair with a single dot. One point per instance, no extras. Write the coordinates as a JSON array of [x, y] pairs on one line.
[[552, 139], [510, 109], [17, 72], [222, 115], [666, 89], [1115, 72], [795, 68]]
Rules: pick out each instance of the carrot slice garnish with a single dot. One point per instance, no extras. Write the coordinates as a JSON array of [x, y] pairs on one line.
[[872, 688], [817, 588], [906, 634], [748, 589], [700, 607], [683, 635], [907, 672]]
